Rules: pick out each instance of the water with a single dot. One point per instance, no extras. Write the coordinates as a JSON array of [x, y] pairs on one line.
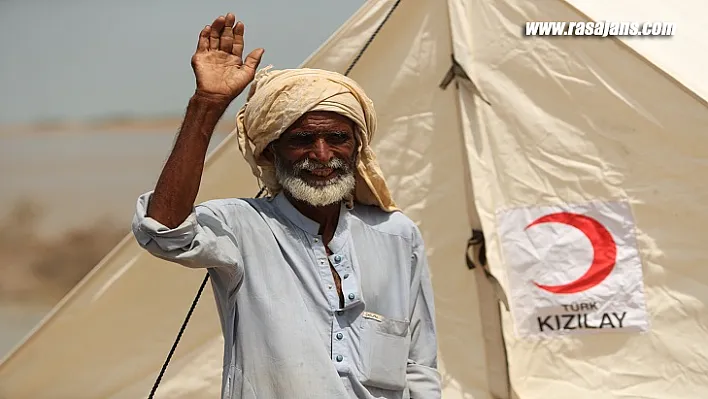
[[78, 178]]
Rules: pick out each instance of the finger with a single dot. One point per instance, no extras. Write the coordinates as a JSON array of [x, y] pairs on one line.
[[226, 40], [216, 27], [253, 59], [203, 43], [237, 48]]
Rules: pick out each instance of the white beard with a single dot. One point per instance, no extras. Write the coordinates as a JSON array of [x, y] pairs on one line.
[[324, 193]]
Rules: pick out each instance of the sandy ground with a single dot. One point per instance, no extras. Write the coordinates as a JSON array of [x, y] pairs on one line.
[[67, 200], [37, 272]]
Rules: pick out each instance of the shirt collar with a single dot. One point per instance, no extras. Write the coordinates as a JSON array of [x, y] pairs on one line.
[[341, 234], [297, 218], [303, 222]]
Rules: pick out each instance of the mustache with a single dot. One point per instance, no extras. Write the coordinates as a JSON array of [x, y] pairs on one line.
[[310, 165]]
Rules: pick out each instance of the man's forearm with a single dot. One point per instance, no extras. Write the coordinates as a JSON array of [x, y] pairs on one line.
[[178, 185]]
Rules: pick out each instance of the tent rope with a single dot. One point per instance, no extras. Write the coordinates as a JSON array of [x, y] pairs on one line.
[[179, 336], [184, 325], [206, 278], [371, 39]]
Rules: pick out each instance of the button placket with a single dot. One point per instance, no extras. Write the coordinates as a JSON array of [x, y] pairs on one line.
[[325, 272], [339, 347], [350, 285]]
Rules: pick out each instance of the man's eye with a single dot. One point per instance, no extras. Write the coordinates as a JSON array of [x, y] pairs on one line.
[[301, 140], [338, 138], [334, 138]]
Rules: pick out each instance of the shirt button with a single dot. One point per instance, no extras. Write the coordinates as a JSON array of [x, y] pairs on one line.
[[337, 258], [339, 358], [317, 240], [339, 312], [346, 275], [340, 336], [352, 296]]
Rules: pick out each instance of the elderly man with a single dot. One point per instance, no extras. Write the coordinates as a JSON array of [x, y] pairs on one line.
[[322, 286]]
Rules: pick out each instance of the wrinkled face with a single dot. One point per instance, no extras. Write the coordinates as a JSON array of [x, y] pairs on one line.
[[315, 158]]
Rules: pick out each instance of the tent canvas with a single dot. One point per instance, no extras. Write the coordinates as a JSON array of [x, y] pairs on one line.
[[519, 122]]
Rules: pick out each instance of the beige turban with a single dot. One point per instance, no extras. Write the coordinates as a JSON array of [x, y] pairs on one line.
[[279, 98]]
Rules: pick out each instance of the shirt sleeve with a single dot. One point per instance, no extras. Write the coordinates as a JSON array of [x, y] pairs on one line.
[[203, 240], [422, 373]]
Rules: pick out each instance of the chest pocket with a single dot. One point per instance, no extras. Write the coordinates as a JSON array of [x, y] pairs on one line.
[[385, 344]]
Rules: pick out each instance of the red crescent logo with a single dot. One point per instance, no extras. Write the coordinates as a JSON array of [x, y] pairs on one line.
[[603, 245]]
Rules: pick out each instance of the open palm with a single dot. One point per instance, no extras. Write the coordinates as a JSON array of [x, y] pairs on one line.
[[218, 64]]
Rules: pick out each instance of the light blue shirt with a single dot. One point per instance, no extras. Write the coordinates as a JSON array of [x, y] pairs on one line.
[[285, 335]]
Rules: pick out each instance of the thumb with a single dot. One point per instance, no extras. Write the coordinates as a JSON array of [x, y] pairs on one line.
[[254, 59]]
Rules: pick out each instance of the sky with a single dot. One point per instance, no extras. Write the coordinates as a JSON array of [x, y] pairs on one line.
[[83, 60], [79, 59]]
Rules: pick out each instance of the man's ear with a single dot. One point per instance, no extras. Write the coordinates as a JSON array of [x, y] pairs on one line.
[[269, 154]]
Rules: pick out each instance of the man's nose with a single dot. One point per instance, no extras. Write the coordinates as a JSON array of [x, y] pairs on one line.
[[321, 151]]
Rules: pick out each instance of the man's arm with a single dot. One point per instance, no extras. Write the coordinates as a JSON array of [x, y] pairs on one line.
[[178, 185], [166, 222], [422, 374], [221, 76]]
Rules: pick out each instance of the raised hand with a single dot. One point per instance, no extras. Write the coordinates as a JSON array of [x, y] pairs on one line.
[[218, 64]]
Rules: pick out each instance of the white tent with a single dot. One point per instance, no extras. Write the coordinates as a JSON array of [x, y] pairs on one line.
[[479, 124]]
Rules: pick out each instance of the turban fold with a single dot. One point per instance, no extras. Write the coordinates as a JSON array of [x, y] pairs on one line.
[[278, 98]]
